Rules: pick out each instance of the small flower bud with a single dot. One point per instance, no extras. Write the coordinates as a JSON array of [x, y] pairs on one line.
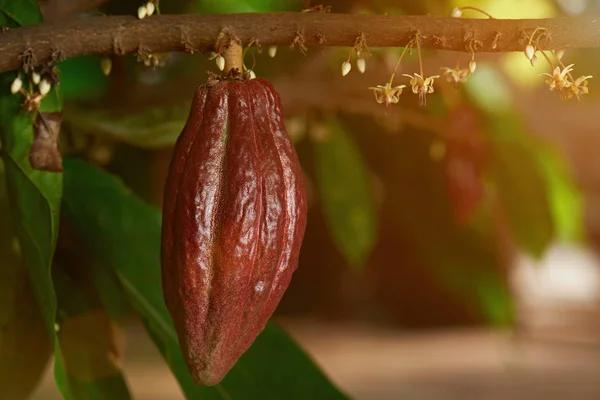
[[560, 54], [16, 85], [533, 60], [45, 87], [472, 65], [272, 51], [142, 12], [220, 62], [346, 67], [529, 52], [35, 78], [106, 65], [456, 12], [251, 74], [150, 8], [361, 65]]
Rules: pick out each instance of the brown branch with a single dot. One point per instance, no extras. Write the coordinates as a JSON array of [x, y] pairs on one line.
[[126, 34]]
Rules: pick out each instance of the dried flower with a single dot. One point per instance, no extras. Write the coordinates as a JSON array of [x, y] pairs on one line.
[[272, 51], [579, 87], [456, 75], [387, 94], [361, 65], [529, 52], [421, 86], [558, 80], [346, 67], [16, 85]]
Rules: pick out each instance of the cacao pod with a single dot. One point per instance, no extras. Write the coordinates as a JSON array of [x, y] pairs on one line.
[[464, 164], [233, 222]]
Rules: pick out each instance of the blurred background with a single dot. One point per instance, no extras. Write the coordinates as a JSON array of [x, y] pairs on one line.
[[451, 250]]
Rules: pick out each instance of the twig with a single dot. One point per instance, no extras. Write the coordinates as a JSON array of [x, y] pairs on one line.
[[165, 33]]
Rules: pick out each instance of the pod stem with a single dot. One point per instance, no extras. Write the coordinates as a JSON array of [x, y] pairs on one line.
[[233, 55]]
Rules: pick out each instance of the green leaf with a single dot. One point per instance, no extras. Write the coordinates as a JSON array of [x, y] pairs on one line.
[[24, 345], [34, 195], [82, 78], [156, 127], [521, 188], [35, 203], [243, 6], [88, 338], [346, 194], [535, 175], [19, 12], [124, 233], [462, 261], [566, 203]]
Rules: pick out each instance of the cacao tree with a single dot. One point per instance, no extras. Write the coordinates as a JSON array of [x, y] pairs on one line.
[[307, 160]]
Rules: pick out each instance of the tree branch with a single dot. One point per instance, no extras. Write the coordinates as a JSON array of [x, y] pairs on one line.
[[126, 34]]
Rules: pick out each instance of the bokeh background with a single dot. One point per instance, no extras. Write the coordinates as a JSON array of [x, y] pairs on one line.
[[452, 263]]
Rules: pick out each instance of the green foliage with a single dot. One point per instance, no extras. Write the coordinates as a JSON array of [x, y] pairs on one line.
[[243, 6], [34, 196], [463, 259], [124, 234], [19, 13], [152, 128], [566, 203], [521, 188], [24, 344], [82, 78], [539, 198], [87, 339], [346, 194]]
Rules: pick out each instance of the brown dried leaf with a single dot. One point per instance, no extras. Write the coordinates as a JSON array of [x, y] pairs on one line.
[[44, 154]]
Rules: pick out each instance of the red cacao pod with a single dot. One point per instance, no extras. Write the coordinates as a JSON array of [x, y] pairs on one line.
[[233, 222], [464, 164]]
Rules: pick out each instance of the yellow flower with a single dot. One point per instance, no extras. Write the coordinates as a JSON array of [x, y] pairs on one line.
[[421, 86], [456, 75], [387, 94], [579, 87], [559, 80]]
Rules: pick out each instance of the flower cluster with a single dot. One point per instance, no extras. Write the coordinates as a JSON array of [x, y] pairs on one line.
[[560, 80], [146, 10], [361, 50], [33, 97]]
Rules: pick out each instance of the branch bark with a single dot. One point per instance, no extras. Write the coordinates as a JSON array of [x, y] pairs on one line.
[[190, 33]]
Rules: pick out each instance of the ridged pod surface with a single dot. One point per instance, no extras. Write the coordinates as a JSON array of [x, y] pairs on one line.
[[233, 222]]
